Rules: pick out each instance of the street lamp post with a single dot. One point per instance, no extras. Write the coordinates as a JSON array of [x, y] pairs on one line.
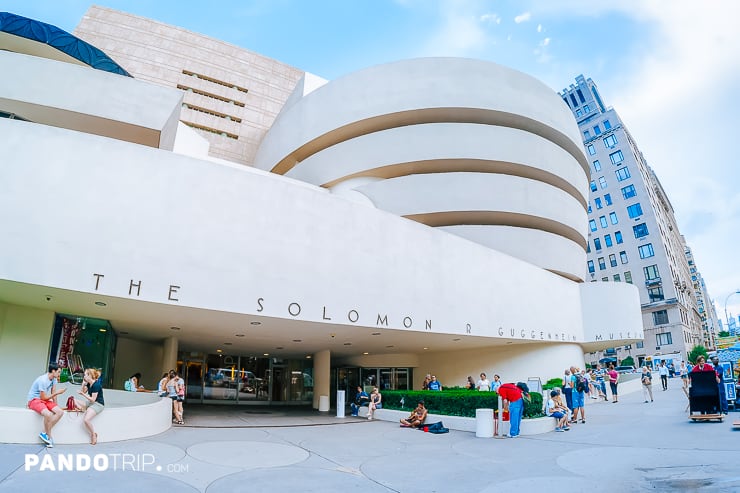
[[727, 319]]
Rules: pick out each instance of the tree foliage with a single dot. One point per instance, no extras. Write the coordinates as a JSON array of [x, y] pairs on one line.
[[723, 333], [628, 361], [696, 352]]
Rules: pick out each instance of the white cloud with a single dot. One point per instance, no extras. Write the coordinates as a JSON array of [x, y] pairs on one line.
[[539, 28], [491, 18], [460, 33], [522, 17], [545, 42]]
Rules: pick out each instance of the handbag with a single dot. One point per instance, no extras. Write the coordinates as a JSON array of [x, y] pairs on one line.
[[71, 404]]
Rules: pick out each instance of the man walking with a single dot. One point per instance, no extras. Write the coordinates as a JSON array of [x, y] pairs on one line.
[[42, 398], [663, 371]]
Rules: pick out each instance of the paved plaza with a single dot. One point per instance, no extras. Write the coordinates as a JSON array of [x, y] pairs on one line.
[[624, 447]]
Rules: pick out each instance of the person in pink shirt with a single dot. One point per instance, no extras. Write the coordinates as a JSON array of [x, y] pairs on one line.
[[613, 380]]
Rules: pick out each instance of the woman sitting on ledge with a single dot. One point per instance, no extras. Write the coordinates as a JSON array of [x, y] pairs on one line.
[[417, 417]]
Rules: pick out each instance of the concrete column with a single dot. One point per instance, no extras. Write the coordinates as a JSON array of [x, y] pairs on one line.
[[321, 375], [169, 354]]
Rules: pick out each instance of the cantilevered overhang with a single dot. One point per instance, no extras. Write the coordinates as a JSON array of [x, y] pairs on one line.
[[92, 101]]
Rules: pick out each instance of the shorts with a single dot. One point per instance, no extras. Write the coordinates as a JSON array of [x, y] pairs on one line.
[[39, 405], [177, 398], [557, 415], [96, 406], [578, 399]]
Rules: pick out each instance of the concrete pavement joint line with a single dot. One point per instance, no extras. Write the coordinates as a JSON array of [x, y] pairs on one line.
[[339, 467], [269, 426]]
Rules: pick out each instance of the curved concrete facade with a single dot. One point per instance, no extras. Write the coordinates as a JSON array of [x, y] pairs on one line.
[[445, 152]]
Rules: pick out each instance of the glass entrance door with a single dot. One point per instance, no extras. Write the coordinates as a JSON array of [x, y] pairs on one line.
[[193, 381]]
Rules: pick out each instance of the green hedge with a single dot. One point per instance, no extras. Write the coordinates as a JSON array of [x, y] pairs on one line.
[[552, 383], [455, 402]]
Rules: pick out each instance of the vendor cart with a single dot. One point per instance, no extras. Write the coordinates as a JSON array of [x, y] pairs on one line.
[[704, 403]]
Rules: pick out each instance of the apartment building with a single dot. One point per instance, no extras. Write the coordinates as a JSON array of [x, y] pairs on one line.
[[633, 234]]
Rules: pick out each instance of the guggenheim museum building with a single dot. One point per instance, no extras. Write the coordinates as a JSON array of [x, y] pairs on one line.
[[169, 200]]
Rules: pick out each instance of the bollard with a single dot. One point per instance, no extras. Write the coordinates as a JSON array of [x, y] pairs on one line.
[[484, 423], [340, 403]]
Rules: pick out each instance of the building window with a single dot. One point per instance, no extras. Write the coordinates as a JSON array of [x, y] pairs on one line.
[[634, 210], [607, 125], [586, 134], [618, 237], [591, 266], [610, 140], [656, 294], [593, 186], [602, 220], [597, 165], [597, 201], [628, 277], [588, 247], [602, 264], [597, 130], [613, 218], [592, 225], [586, 108], [616, 157], [640, 344], [602, 182], [604, 279], [580, 96], [612, 260], [640, 230], [579, 113], [608, 240], [591, 149], [608, 199], [646, 250], [622, 173], [628, 191], [597, 244], [617, 278], [589, 208], [623, 256], [665, 338], [651, 272]]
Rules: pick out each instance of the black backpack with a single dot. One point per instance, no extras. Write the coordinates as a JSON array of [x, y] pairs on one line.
[[580, 383]]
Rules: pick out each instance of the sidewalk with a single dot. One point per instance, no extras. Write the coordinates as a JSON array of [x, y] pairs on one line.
[[623, 447]]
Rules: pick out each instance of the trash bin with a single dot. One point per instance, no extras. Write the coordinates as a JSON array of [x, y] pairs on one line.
[[323, 403], [484, 423]]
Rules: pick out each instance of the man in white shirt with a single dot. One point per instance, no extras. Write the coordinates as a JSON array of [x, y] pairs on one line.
[[42, 398], [663, 372], [483, 384]]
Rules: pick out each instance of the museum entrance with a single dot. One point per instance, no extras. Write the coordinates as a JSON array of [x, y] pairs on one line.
[[229, 379]]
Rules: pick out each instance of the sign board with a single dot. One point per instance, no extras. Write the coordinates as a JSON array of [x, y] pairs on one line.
[[730, 391]]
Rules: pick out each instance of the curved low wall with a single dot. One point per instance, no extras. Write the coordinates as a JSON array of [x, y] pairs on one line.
[[535, 426], [127, 415]]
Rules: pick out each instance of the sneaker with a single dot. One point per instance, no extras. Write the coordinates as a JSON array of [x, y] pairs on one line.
[[559, 430], [567, 428], [46, 439], [594, 397], [646, 402]]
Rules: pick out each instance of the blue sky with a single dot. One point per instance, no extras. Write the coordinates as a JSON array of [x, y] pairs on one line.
[[671, 69]]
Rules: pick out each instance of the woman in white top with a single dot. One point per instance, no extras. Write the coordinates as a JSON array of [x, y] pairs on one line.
[[483, 384]]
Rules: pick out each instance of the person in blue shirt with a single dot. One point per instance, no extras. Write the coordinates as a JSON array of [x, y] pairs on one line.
[[361, 399], [42, 398], [722, 390], [434, 384]]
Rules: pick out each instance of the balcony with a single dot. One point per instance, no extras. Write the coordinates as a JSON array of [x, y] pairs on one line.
[[653, 282]]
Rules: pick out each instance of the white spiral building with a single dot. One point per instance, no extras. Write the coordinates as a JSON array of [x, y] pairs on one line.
[[466, 146], [116, 216]]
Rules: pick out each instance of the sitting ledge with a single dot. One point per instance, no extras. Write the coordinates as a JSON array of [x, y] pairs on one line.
[[127, 415]]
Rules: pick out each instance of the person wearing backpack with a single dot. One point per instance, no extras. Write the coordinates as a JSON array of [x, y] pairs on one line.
[[579, 395]]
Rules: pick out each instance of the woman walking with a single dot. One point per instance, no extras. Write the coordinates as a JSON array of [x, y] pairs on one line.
[[647, 384], [613, 380]]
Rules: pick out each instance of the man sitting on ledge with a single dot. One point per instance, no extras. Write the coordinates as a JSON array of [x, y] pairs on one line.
[[417, 417]]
